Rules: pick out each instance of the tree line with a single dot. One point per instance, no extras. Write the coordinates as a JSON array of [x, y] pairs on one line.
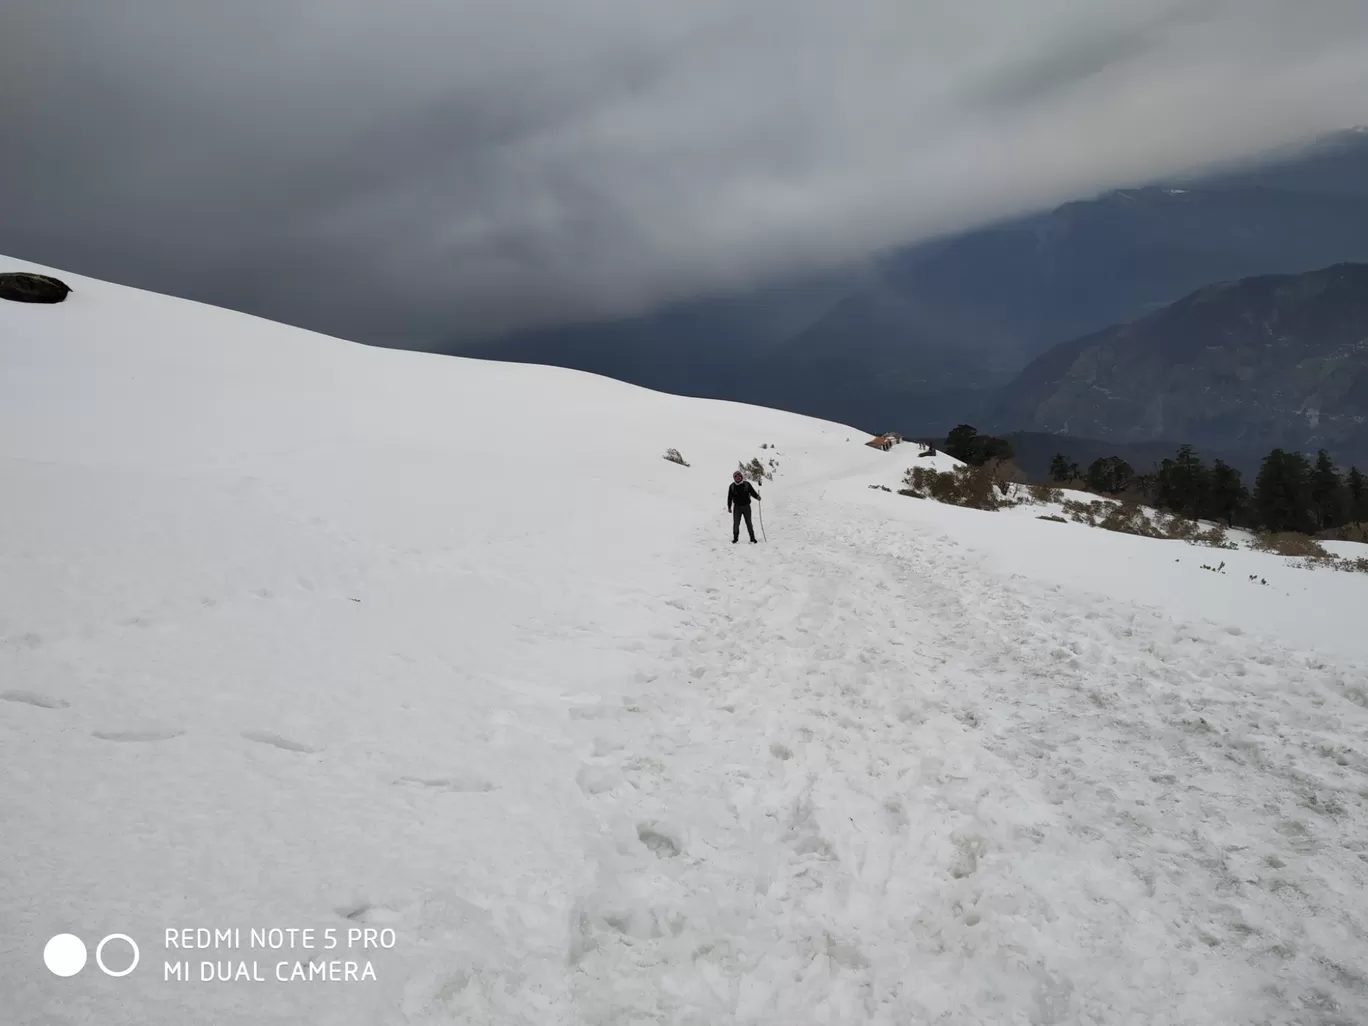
[[1291, 493]]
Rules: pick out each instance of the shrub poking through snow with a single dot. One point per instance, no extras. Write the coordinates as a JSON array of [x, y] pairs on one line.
[[1310, 551], [1006, 474], [756, 472], [971, 487], [1215, 536], [1177, 528], [1291, 543], [1045, 493], [1085, 512], [1357, 532], [1129, 517], [673, 456]]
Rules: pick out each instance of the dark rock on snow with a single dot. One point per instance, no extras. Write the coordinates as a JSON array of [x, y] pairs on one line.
[[32, 288]]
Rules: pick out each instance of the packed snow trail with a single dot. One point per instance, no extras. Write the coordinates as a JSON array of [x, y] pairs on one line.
[[884, 786]]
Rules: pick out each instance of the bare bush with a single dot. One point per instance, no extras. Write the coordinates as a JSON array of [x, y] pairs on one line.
[[1311, 553], [1086, 512], [1176, 528], [970, 487], [1006, 474], [1128, 518], [1291, 543], [1214, 536], [1355, 532], [755, 470], [1042, 493]]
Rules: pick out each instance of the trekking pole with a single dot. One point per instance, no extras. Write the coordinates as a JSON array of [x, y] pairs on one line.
[[761, 510]]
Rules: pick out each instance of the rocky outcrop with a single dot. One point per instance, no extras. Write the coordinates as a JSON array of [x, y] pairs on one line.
[[22, 287]]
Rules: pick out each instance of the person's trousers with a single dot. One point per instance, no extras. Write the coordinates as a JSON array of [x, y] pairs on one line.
[[737, 513]]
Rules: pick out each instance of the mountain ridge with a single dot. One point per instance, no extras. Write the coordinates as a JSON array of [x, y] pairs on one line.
[[1257, 363]]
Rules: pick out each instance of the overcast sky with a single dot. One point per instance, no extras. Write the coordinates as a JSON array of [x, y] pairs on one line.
[[416, 170]]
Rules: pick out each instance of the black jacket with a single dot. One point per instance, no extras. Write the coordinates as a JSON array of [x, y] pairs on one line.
[[740, 494]]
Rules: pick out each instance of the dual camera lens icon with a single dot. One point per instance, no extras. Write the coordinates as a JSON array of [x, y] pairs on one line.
[[65, 954]]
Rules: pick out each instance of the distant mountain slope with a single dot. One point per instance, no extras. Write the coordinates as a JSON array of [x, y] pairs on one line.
[[928, 333], [988, 301], [1277, 360]]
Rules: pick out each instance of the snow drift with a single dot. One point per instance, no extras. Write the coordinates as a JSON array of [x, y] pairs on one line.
[[299, 634]]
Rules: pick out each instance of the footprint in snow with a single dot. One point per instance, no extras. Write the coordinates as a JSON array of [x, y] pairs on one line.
[[276, 741], [365, 912], [150, 734], [969, 848], [597, 779], [661, 843], [458, 784], [33, 698], [590, 712]]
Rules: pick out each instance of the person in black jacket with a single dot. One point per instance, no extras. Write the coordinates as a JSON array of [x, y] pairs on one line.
[[739, 497]]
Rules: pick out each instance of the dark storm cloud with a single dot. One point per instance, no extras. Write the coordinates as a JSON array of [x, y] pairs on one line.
[[416, 170]]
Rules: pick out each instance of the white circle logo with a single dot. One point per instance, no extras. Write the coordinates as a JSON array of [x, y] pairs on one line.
[[65, 954], [99, 950]]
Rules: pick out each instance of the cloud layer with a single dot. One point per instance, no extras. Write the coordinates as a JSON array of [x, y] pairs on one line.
[[433, 169]]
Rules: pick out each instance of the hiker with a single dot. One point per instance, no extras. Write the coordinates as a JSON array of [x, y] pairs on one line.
[[739, 496]]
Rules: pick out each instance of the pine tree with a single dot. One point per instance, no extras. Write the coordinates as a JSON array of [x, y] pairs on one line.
[[1110, 474], [965, 444], [1060, 469], [993, 448], [1226, 494], [1144, 488], [1327, 492], [1282, 493], [1182, 484], [962, 443], [1356, 485]]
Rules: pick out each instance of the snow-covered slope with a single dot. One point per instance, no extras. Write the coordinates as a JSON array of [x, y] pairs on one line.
[[301, 634]]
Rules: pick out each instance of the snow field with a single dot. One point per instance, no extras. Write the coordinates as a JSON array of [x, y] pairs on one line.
[[303, 634]]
